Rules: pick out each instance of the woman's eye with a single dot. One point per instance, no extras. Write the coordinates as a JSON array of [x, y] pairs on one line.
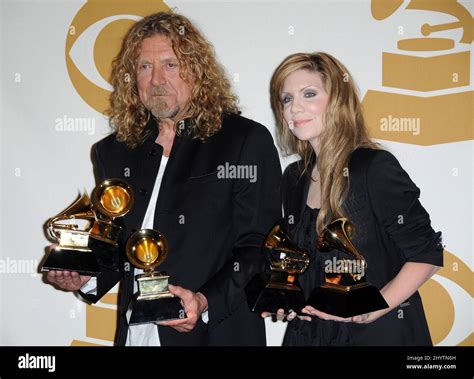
[[310, 94], [285, 100]]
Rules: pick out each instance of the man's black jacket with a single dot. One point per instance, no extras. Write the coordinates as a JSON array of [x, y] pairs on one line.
[[214, 221]]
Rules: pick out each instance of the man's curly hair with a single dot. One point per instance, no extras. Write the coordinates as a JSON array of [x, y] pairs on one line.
[[211, 96]]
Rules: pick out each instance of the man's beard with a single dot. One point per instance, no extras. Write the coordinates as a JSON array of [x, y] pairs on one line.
[[158, 108], [157, 105]]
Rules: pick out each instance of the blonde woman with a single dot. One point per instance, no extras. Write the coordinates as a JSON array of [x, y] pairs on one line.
[[342, 173]]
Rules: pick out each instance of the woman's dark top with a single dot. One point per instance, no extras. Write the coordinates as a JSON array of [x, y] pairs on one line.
[[392, 228]]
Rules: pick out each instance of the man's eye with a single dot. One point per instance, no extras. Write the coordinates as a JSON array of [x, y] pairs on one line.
[[171, 65], [144, 66]]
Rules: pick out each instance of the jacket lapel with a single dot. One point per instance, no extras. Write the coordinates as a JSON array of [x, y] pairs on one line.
[[143, 162], [177, 172], [297, 197]]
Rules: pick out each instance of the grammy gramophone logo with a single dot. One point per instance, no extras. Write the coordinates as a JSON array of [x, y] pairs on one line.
[[426, 97]]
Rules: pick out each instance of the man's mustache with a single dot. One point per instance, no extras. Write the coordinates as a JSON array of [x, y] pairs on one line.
[[159, 91]]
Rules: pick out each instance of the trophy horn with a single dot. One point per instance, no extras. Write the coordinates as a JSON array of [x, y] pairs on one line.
[[337, 235], [147, 249], [381, 9], [112, 198], [79, 209], [295, 261]]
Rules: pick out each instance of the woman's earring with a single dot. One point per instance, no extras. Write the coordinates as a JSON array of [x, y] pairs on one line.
[[291, 125]]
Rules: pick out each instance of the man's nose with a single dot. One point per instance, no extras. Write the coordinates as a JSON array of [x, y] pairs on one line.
[[158, 76]]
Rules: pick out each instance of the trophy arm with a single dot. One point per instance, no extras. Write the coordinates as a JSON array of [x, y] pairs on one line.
[[80, 208], [54, 228], [290, 264], [351, 250], [452, 8], [278, 241]]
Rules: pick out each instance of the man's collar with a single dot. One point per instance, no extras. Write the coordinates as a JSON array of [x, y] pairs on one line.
[[183, 128]]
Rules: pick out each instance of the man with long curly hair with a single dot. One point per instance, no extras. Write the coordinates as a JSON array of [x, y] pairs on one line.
[[203, 175]]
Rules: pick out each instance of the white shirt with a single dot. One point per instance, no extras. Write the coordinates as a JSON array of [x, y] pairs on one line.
[[146, 334], [142, 334]]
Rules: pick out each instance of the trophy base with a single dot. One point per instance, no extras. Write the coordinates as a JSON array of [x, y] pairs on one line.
[[83, 262], [347, 301], [152, 311], [264, 296], [107, 255]]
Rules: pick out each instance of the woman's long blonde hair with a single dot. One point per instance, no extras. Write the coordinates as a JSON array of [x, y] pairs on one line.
[[344, 130], [211, 97]]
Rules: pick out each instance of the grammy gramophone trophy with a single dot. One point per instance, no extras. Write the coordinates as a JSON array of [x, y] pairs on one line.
[[270, 291], [345, 292], [147, 249], [86, 232]]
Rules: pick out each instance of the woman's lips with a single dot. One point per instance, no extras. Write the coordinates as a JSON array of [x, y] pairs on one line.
[[297, 123]]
